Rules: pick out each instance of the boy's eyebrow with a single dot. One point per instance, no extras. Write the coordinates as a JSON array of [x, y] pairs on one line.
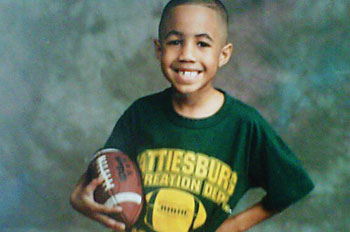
[[174, 32], [204, 35]]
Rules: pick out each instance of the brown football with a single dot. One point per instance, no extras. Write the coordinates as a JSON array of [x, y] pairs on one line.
[[122, 184]]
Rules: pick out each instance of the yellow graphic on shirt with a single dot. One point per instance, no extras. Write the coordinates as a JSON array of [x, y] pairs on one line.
[[180, 173], [172, 210]]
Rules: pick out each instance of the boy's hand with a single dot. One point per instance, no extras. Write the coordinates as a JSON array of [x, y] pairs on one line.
[[246, 219], [82, 200]]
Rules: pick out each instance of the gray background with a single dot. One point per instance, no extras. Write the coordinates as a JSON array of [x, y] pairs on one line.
[[68, 69]]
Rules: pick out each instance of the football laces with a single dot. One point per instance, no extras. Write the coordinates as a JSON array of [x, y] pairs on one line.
[[104, 171]]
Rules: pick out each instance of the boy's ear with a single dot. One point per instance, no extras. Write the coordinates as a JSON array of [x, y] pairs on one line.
[[225, 55], [158, 48]]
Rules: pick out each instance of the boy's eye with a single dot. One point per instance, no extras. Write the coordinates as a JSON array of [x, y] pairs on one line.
[[174, 42], [203, 44]]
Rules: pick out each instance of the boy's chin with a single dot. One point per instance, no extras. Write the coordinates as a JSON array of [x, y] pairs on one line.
[[188, 90], [184, 90]]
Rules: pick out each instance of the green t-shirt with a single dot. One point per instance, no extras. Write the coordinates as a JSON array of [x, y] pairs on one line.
[[196, 170]]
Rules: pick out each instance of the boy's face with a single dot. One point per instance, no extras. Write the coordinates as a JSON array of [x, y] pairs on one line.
[[193, 48]]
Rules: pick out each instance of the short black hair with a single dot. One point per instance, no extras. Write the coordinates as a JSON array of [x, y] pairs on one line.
[[216, 5]]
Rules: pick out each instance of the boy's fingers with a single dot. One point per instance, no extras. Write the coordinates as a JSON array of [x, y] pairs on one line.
[[109, 222], [90, 188], [106, 210]]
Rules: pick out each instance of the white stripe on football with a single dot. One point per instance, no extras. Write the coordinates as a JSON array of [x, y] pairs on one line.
[[124, 197]]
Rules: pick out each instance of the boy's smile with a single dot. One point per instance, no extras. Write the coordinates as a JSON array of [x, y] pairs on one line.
[[192, 48]]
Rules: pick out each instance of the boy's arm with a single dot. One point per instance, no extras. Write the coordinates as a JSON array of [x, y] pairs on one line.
[[82, 200], [246, 219]]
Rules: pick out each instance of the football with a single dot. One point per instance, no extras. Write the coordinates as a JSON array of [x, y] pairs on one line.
[[122, 184]]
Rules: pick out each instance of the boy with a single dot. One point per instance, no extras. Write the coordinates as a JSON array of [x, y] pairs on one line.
[[199, 149]]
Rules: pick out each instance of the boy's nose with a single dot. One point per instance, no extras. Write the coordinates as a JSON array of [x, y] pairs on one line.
[[187, 53]]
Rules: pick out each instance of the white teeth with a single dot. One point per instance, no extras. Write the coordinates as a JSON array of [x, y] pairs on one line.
[[189, 74], [193, 74]]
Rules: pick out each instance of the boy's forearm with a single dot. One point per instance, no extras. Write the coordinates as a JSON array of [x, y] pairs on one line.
[[246, 219]]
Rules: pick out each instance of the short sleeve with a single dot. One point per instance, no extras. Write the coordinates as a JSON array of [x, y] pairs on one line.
[[122, 134], [275, 168]]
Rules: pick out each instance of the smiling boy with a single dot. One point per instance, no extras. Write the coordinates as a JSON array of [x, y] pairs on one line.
[[199, 149]]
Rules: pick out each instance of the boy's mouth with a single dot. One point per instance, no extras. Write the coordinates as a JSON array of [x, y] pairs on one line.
[[188, 74]]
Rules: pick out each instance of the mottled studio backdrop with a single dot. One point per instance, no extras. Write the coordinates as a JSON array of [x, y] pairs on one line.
[[68, 69]]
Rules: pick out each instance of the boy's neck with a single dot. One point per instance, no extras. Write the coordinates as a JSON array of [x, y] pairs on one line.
[[198, 105]]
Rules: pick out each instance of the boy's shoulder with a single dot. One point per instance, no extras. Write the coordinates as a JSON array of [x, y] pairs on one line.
[[148, 103], [152, 100], [242, 110], [153, 97]]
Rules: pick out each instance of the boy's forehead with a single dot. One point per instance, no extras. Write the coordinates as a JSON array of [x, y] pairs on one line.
[[189, 19]]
